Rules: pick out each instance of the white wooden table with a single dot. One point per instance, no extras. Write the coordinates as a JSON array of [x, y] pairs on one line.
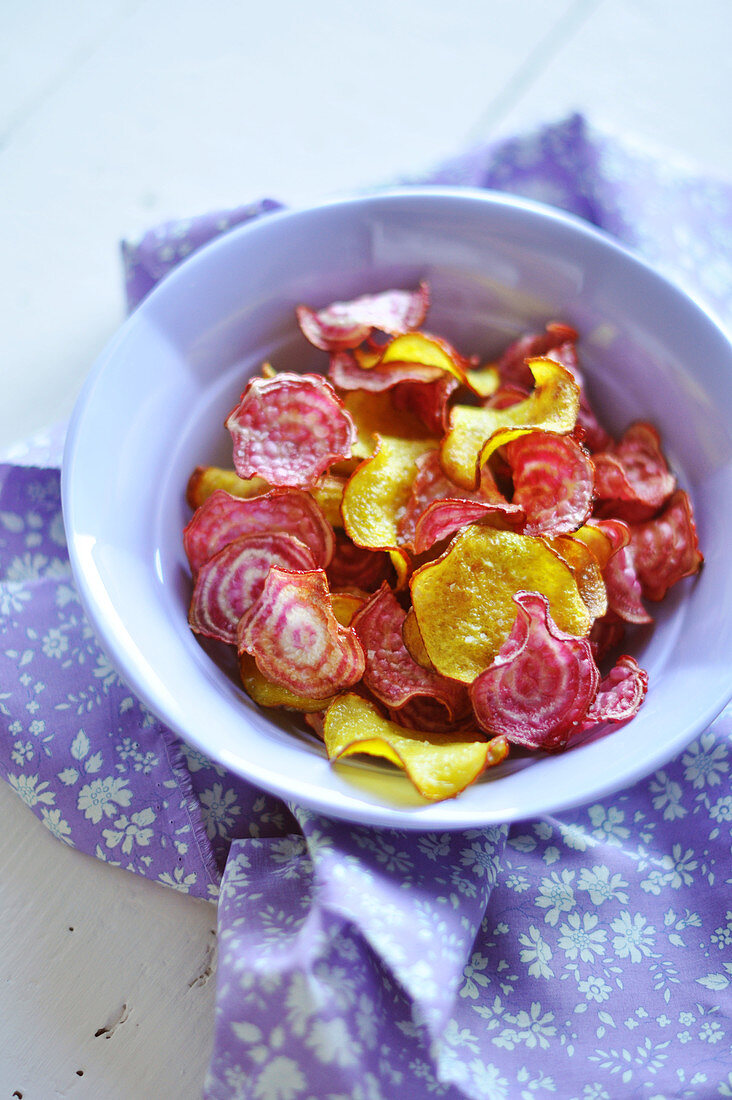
[[117, 114]]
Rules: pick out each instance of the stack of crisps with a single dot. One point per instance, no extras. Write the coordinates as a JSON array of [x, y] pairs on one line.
[[433, 559]]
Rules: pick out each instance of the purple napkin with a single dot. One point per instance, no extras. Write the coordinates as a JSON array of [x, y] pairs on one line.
[[585, 956]]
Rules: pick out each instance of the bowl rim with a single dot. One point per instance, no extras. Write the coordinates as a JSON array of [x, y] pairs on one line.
[[328, 804], [487, 195]]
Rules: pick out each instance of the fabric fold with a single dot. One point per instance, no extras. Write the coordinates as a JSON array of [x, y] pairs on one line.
[[418, 901], [360, 936], [161, 249]]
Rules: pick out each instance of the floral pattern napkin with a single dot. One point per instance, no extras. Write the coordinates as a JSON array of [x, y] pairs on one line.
[[587, 955]]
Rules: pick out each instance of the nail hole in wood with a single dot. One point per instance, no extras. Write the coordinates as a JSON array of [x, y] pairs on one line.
[[80, 1073], [109, 1028]]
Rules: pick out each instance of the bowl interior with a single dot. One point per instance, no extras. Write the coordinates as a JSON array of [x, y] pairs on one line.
[[154, 408]]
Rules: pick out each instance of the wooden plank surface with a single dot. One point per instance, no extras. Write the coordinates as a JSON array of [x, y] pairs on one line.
[[653, 69], [106, 980]]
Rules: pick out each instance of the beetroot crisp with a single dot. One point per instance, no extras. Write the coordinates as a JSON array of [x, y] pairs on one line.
[[432, 558]]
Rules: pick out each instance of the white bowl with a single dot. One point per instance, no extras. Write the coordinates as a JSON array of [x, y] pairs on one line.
[[153, 408]]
